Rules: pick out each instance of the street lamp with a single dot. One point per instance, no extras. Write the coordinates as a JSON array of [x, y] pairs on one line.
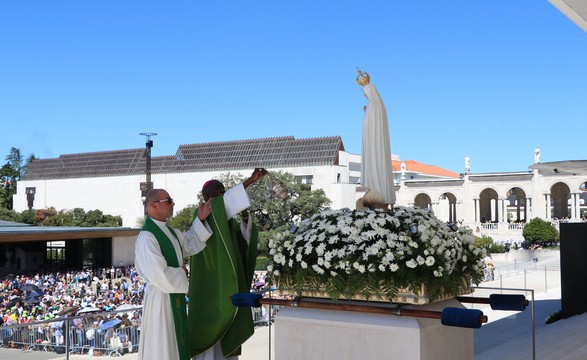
[[147, 185]]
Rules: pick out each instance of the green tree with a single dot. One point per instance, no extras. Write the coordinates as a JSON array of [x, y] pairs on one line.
[[77, 217], [182, 220], [28, 216], [540, 230], [488, 243], [10, 174], [270, 214], [9, 215], [8, 180]]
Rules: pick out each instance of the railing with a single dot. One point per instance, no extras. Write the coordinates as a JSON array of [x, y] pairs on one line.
[[484, 291], [489, 226], [86, 336], [261, 315], [74, 334], [516, 226]]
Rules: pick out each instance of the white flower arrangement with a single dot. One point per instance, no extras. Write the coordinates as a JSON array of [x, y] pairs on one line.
[[348, 252]]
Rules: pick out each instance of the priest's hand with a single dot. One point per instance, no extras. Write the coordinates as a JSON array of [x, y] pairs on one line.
[[245, 216], [258, 173], [184, 267], [204, 210]]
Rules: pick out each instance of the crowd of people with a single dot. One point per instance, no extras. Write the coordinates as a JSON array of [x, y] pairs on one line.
[[29, 298], [38, 297], [222, 248]]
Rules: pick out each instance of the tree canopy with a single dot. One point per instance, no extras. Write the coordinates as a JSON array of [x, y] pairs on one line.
[[10, 174], [539, 230], [51, 217], [269, 213]]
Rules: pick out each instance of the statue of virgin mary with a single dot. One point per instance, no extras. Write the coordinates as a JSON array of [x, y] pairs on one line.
[[376, 171]]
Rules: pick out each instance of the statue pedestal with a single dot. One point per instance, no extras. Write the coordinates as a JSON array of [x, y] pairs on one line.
[[303, 333]]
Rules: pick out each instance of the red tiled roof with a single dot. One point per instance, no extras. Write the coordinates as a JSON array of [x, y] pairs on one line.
[[412, 165]]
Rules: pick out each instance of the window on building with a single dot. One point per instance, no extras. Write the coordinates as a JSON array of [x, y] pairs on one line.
[[354, 166], [304, 179], [55, 258]]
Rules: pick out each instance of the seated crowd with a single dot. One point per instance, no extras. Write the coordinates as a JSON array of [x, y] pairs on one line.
[[27, 298], [37, 297]]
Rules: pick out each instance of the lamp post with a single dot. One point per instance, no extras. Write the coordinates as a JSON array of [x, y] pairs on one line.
[[147, 185]]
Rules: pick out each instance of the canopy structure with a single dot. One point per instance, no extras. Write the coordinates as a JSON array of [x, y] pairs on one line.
[[573, 167]]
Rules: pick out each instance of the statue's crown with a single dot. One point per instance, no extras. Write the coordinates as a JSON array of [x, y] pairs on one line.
[[363, 78]]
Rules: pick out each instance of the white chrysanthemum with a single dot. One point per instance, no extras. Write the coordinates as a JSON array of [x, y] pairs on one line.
[[394, 267], [318, 269], [328, 255], [420, 260], [411, 263], [304, 265], [430, 261], [320, 249], [279, 258]]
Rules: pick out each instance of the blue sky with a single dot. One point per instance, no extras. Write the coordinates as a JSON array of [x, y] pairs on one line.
[[488, 79]]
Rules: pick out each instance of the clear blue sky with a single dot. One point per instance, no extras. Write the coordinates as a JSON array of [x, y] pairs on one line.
[[489, 79]]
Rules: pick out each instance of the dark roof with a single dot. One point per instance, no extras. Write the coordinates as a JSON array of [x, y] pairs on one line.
[[575, 167], [5, 224], [270, 153], [11, 234]]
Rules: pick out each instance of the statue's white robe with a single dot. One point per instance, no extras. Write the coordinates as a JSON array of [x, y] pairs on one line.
[[376, 171]]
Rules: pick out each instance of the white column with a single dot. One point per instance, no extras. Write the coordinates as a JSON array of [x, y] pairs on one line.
[[528, 209], [454, 212], [499, 210], [434, 207], [477, 210], [572, 214], [548, 207]]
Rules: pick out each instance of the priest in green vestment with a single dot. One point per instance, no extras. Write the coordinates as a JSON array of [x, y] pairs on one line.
[[159, 253], [217, 328]]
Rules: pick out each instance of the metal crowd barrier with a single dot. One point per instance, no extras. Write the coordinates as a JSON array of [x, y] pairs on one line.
[[84, 335], [264, 315]]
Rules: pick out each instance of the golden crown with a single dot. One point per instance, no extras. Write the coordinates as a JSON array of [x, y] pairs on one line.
[[363, 78]]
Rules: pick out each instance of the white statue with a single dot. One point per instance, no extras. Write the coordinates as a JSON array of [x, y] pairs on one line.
[[376, 172], [536, 155], [467, 164]]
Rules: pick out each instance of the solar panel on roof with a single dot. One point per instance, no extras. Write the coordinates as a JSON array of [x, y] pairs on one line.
[[231, 155]]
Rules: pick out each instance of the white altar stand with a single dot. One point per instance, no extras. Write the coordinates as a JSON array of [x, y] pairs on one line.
[[303, 333]]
